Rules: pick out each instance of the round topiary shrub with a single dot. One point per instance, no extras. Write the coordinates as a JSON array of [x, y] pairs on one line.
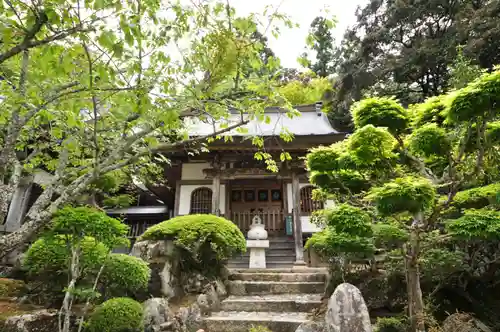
[[205, 241], [47, 262], [120, 314], [408, 194], [380, 112], [124, 275], [430, 140], [51, 256]]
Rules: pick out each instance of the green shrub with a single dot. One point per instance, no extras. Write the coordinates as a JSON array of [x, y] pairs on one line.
[[477, 197], [391, 324], [477, 99], [125, 275], [90, 222], [51, 256], [430, 140], [206, 240], [380, 112], [372, 147], [432, 110], [408, 194], [120, 314]]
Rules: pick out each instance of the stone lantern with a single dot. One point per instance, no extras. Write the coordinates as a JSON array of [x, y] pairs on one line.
[[257, 243]]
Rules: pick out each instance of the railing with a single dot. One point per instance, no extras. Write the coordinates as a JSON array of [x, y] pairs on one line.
[[137, 228], [274, 221]]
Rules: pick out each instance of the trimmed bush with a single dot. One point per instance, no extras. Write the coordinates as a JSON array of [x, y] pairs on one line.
[[477, 99], [430, 140], [120, 314], [125, 275], [91, 222], [51, 256], [380, 112], [477, 197], [372, 147], [408, 194], [206, 240], [391, 324]]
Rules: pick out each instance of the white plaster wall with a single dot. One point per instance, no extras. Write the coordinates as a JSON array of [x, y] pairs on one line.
[[307, 226], [193, 171], [185, 197]]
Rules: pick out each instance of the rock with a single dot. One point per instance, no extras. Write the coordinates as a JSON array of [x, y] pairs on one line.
[[204, 304], [347, 311], [39, 321], [190, 318], [311, 327], [156, 314], [220, 288], [464, 322]]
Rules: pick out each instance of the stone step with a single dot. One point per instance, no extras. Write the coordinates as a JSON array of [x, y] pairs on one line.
[[271, 252], [292, 269], [243, 321], [269, 257], [286, 276], [272, 303], [243, 266], [282, 245], [239, 287], [282, 239]]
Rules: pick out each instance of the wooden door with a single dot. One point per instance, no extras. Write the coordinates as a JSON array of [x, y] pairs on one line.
[[258, 197]]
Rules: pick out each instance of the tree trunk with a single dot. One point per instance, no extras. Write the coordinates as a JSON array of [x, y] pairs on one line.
[[415, 299], [66, 309], [409, 291]]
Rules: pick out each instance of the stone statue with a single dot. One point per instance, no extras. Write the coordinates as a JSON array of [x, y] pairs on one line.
[[257, 243], [257, 230]]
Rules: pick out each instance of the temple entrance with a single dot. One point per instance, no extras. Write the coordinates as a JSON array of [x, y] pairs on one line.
[[261, 197]]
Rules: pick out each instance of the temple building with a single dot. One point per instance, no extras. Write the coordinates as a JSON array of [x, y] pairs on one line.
[[225, 179], [228, 181]]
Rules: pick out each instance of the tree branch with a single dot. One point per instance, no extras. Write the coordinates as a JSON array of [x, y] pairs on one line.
[[27, 44], [110, 165]]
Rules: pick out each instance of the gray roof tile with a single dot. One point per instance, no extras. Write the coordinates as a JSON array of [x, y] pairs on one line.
[[308, 123]]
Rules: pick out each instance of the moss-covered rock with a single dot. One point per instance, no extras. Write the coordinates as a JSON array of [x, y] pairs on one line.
[[11, 287], [464, 322], [36, 321]]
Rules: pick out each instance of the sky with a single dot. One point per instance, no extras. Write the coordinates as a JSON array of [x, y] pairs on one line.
[[291, 43]]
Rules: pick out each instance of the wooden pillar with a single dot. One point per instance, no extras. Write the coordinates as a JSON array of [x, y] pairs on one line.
[[297, 231], [216, 187], [216, 194]]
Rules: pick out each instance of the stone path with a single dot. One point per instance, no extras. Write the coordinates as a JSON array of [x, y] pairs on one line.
[[279, 299]]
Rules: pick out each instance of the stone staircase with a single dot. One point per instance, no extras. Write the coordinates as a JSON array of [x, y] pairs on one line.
[[280, 254], [279, 299]]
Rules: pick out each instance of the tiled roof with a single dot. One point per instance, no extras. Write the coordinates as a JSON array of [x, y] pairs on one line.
[[311, 122]]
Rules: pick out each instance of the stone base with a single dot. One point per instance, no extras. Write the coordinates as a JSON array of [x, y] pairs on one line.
[[257, 253], [257, 258]]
